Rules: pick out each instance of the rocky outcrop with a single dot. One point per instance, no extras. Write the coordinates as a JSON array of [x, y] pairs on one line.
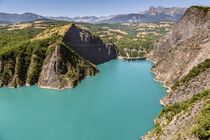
[[183, 123], [182, 64], [61, 68], [183, 111], [193, 23], [196, 85], [184, 46], [56, 59], [64, 69], [89, 47]]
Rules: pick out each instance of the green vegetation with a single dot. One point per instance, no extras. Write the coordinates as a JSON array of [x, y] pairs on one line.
[[79, 69], [202, 129], [10, 38], [132, 40], [21, 55], [193, 73], [40, 50], [201, 121], [170, 111], [158, 129], [14, 38], [24, 56], [205, 9]]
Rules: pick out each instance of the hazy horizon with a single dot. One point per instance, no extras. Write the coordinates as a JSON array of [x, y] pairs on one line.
[[89, 15], [89, 8]]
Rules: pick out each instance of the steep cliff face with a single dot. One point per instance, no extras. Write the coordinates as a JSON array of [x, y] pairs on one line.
[[89, 47], [62, 68], [186, 109], [184, 92], [50, 61], [193, 23], [183, 65], [184, 46], [187, 120]]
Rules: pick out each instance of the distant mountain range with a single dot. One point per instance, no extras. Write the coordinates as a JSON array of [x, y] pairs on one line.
[[153, 14], [14, 18]]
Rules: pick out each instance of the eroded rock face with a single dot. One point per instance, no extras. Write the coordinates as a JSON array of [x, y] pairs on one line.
[[184, 46], [63, 69], [49, 62], [89, 47], [178, 127], [52, 69], [196, 85]]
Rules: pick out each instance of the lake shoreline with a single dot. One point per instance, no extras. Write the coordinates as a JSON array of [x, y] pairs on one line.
[[115, 98], [132, 58]]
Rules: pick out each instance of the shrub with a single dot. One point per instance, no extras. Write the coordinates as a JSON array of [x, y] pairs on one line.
[[193, 73]]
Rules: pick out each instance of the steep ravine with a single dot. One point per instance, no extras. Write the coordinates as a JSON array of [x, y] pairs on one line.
[[50, 61], [183, 65]]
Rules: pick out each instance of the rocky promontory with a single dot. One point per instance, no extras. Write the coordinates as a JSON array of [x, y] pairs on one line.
[[89, 47], [59, 57], [184, 46]]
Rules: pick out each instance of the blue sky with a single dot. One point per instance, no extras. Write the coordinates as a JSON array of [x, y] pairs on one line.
[[73, 8]]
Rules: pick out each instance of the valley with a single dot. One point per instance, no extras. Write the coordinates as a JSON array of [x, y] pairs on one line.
[[84, 59], [131, 40]]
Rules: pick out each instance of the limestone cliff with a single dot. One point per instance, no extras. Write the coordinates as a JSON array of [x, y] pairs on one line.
[[184, 46], [184, 92], [63, 68], [187, 120], [183, 65], [186, 110], [50, 61], [89, 47]]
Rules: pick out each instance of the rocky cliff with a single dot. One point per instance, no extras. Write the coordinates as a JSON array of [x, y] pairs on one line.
[[89, 47], [49, 61], [64, 69], [186, 91], [187, 120], [153, 14], [183, 65], [184, 46]]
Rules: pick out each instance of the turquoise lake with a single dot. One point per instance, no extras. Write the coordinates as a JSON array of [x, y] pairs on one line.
[[120, 103]]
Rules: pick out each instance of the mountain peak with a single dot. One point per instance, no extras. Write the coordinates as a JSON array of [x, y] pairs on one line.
[[160, 9], [153, 14], [14, 18]]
